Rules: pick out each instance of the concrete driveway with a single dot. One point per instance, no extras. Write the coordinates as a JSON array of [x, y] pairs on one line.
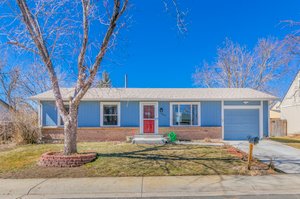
[[285, 158]]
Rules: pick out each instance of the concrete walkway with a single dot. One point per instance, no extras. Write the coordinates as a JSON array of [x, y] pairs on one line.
[[149, 186], [285, 158]]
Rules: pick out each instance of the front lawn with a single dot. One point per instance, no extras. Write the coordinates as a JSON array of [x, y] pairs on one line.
[[291, 141], [123, 159]]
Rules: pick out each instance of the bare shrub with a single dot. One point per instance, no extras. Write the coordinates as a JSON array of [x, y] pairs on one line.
[[25, 127], [6, 131]]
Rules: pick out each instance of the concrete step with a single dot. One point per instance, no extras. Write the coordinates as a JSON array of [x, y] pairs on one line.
[[148, 136], [149, 139]]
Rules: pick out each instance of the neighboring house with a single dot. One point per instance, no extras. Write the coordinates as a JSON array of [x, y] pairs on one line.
[[4, 112], [275, 110], [192, 113], [290, 106]]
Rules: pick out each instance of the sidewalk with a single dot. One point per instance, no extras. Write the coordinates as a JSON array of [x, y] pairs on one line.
[[149, 186]]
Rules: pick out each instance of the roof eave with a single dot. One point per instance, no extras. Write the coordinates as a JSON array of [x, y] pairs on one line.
[[163, 99]]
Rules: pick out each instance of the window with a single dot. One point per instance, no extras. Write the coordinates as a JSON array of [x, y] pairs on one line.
[[61, 121], [185, 114], [110, 114]]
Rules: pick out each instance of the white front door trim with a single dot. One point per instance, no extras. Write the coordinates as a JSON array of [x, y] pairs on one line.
[[142, 116]]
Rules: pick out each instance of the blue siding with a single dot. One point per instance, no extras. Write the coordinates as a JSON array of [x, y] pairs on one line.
[[164, 117], [49, 115], [240, 123], [211, 113], [266, 118], [240, 103], [130, 114], [89, 114]]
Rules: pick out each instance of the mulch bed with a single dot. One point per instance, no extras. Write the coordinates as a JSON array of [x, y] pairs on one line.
[[256, 165], [237, 153]]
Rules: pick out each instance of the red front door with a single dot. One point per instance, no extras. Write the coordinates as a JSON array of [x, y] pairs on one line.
[[149, 118]]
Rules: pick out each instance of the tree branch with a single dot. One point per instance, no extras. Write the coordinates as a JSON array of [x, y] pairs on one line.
[[36, 35], [81, 68], [117, 13]]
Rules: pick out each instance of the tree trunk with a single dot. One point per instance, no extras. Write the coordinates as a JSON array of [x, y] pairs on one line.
[[70, 131]]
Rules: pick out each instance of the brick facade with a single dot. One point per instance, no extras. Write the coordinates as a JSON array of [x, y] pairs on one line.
[[92, 134], [120, 133], [194, 133]]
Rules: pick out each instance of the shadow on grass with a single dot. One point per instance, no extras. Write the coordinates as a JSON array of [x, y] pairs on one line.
[[167, 160], [144, 154]]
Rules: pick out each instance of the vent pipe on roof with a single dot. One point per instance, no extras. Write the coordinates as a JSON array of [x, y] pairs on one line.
[[125, 81]]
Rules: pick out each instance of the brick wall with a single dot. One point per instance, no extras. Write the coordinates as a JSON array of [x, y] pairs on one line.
[[194, 133], [120, 133], [92, 134]]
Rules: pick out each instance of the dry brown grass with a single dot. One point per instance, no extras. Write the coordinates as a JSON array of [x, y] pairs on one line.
[[123, 159], [293, 141]]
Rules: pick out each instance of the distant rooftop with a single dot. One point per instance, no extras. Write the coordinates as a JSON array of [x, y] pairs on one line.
[[3, 103], [161, 94]]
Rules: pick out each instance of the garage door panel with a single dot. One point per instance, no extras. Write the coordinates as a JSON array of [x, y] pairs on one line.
[[240, 123]]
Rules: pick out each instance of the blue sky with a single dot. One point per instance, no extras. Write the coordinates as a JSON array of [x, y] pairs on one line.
[[154, 54]]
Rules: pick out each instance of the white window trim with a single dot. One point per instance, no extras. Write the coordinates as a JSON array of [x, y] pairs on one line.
[[58, 115], [40, 110], [261, 120], [222, 118], [268, 118], [185, 103], [142, 116], [257, 107], [101, 113]]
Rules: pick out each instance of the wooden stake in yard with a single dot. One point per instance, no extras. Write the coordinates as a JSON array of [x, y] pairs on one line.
[[252, 142], [250, 155]]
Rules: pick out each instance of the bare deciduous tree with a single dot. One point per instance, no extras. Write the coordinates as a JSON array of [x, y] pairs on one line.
[[238, 67], [18, 84], [50, 26], [180, 15], [9, 79], [86, 75], [59, 32], [292, 39]]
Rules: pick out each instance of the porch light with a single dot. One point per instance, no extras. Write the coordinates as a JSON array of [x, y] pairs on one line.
[[161, 110]]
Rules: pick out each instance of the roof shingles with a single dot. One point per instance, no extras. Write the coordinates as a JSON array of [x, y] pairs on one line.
[[160, 94]]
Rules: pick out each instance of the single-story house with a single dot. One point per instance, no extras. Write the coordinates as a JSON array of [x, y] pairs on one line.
[[290, 106], [192, 113]]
